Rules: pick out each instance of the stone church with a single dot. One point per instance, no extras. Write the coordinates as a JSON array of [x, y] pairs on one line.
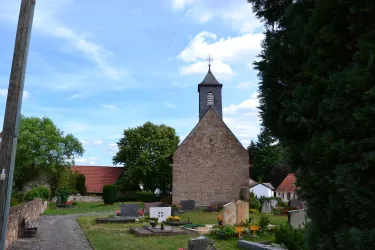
[[210, 165]]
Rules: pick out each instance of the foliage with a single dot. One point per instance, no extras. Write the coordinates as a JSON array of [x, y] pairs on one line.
[[81, 184], [166, 199], [173, 218], [43, 151], [254, 202], [255, 211], [263, 223], [63, 195], [290, 237], [176, 206], [127, 195], [109, 193], [268, 159], [146, 196], [144, 152], [40, 192], [17, 198], [225, 232], [317, 95]]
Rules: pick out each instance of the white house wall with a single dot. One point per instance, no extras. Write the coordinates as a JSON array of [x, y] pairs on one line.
[[261, 190]]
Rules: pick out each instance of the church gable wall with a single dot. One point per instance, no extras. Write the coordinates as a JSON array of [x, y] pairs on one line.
[[210, 165]]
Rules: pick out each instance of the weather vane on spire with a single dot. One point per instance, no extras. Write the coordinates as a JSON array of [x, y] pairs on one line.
[[209, 59]]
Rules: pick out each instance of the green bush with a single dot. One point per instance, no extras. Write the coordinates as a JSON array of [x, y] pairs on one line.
[[263, 223], [291, 238], [146, 196], [254, 202], [225, 232], [40, 192], [63, 195], [166, 199], [81, 184], [109, 193]]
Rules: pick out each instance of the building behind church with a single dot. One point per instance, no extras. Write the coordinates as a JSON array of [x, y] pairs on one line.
[[210, 165]]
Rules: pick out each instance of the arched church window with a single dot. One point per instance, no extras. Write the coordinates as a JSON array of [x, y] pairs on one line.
[[210, 98]]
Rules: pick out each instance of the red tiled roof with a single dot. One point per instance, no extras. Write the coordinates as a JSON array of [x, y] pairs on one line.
[[287, 184], [98, 176]]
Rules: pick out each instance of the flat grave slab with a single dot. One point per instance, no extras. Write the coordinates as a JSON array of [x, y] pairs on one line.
[[150, 231], [177, 223], [117, 219]]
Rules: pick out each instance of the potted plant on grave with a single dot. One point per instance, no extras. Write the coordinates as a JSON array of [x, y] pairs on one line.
[[174, 218], [240, 228], [176, 207], [254, 226], [154, 221], [220, 220]]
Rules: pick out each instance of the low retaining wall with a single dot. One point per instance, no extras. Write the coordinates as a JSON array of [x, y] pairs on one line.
[[297, 218], [27, 211]]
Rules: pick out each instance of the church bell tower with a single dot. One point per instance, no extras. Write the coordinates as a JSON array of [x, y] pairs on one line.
[[210, 93]]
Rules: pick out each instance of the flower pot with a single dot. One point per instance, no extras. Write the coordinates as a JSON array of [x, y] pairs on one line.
[[254, 228]]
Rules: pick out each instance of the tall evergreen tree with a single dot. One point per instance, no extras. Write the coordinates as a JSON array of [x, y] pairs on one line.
[[317, 95]]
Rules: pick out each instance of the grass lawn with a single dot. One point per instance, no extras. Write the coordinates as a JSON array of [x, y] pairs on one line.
[[117, 236], [84, 207]]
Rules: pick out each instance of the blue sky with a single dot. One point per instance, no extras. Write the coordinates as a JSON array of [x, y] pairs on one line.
[[98, 67]]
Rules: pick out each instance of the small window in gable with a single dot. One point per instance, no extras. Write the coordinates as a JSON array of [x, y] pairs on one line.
[[210, 98]]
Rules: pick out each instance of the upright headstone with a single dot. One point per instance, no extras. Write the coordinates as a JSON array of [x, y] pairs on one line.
[[229, 214], [266, 208], [274, 203], [242, 211], [201, 243], [147, 206], [294, 203], [162, 213], [129, 210], [187, 205]]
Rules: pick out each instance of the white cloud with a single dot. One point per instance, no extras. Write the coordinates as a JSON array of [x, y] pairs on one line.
[[170, 105], [87, 161], [92, 142], [109, 106], [237, 14], [243, 119], [180, 4], [46, 23], [4, 93], [244, 85], [242, 48], [219, 68]]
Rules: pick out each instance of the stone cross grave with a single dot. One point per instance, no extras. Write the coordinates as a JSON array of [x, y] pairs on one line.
[[129, 210], [162, 213]]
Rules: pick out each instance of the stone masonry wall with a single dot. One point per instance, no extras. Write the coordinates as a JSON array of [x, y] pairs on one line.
[[211, 165], [27, 211]]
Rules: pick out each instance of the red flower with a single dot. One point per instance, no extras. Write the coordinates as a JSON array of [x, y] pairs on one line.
[[141, 213]]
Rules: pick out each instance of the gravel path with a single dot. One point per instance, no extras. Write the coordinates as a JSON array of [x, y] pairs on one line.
[[57, 232]]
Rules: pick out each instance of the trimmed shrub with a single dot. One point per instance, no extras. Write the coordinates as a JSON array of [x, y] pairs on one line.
[[146, 196], [81, 184], [291, 238], [40, 192], [124, 196], [109, 193]]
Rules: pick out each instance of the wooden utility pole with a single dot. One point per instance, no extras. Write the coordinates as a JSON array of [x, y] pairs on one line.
[[13, 112]]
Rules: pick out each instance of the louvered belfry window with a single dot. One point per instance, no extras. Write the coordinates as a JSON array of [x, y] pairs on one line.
[[210, 98]]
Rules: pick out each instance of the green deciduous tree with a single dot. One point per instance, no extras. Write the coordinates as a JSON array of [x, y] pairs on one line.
[[317, 95], [144, 152], [268, 159], [43, 152]]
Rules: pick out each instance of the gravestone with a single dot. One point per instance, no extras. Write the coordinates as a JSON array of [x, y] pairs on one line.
[[229, 214], [129, 210], [162, 213], [274, 203], [201, 243], [150, 204], [242, 211], [187, 205], [294, 203], [266, 208]]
